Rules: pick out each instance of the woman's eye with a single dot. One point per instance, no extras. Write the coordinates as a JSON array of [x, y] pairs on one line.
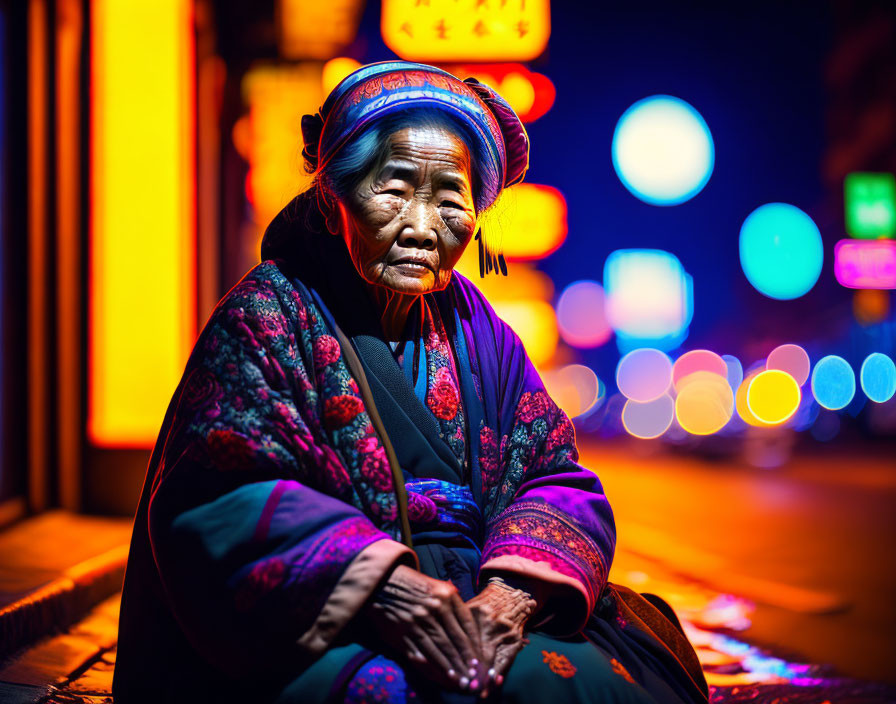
[[394, 192], [449, 204]]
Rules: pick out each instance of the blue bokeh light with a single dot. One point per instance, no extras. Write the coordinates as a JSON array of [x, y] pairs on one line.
[[663, 150], [878, 377], [833, 382], [781, 251]]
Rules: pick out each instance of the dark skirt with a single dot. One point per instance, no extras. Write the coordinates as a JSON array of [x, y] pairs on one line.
[[632, 651]]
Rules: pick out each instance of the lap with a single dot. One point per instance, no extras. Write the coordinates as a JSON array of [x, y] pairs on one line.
[[547, 668]]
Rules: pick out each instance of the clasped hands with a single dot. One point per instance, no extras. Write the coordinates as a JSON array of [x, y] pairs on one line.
[[462, 646]]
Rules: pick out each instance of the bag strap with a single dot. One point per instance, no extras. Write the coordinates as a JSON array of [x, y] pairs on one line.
[[357, 369]]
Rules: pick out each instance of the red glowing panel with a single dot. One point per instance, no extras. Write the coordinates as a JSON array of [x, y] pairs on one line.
[[865, 263], [530, 94]]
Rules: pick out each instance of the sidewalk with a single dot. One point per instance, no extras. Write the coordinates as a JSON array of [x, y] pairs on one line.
[[76, 665]]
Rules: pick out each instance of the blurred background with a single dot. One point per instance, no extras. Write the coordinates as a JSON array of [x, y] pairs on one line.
[[701, 264]]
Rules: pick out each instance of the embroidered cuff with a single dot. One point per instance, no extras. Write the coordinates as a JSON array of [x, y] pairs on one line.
[[538, 540], [360, 578]]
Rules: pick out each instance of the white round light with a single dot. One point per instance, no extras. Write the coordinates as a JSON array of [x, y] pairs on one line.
[[662, 150]]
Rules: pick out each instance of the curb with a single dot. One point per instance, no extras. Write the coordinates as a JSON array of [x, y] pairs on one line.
[[62, 602]]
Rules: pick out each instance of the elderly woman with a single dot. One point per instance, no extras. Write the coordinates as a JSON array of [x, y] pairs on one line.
[[361, 491]]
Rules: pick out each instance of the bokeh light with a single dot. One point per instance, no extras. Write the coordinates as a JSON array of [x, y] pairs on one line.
[[696, 361], [705, 402], [335, 70], [663, 150], [535, 323], [878, 377], [644, 374], [574, 387], [773, 396], [870, 305], [792, 359], [649, 297], [833, 382], [534, 214], [780, 251], [740, 400], [735, 371], [865, 263], [648, 420], [580, 315], [869, 201]]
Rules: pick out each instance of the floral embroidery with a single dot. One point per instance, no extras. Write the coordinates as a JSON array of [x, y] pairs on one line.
[[545, 533], [379, 681], [443, 390], [620, 670], [267, 389], [559, 664], [263, 578]]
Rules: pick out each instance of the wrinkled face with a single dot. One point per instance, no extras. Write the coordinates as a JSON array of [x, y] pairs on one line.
[[408, 221]]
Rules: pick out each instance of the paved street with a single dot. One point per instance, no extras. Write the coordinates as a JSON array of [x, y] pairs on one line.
[[811, 544]]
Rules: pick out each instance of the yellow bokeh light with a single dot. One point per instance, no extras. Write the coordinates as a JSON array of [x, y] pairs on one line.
[[311, 29], [466, 30], [143, 237], [517, 90], [535, 323], [740, 402], [773, 396], [705, 403], [277, 97], [335, 70], [532, 216]]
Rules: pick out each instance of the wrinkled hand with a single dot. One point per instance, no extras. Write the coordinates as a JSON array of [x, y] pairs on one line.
[[501, 614], [425, 621]]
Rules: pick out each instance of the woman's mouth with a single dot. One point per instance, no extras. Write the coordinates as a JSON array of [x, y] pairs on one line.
[[414, 267]]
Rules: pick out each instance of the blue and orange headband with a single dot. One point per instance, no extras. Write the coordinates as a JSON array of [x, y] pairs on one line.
[[387, 87]]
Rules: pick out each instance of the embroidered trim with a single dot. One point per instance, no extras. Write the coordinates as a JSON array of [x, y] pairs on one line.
[[545, 532]]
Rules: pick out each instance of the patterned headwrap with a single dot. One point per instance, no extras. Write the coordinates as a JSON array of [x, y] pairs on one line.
[[388, 87]]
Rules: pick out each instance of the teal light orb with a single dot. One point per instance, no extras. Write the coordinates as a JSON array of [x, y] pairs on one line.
[[833, 382], [878, 377], [780, 251]]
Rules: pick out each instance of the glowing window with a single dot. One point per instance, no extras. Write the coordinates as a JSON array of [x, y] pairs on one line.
[[142, 241], [662, 150], [870, 205]]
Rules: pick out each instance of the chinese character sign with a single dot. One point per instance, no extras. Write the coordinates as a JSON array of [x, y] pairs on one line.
[[466, 30]]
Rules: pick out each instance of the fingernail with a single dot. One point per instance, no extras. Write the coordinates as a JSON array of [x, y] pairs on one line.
[[484, 693], [472, 672], [492, 672], [464, 681], [474, 661], [452, 673], [474, 684], [499, 679]]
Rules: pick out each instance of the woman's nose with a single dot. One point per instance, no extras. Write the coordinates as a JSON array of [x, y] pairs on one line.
[[420, 228]]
